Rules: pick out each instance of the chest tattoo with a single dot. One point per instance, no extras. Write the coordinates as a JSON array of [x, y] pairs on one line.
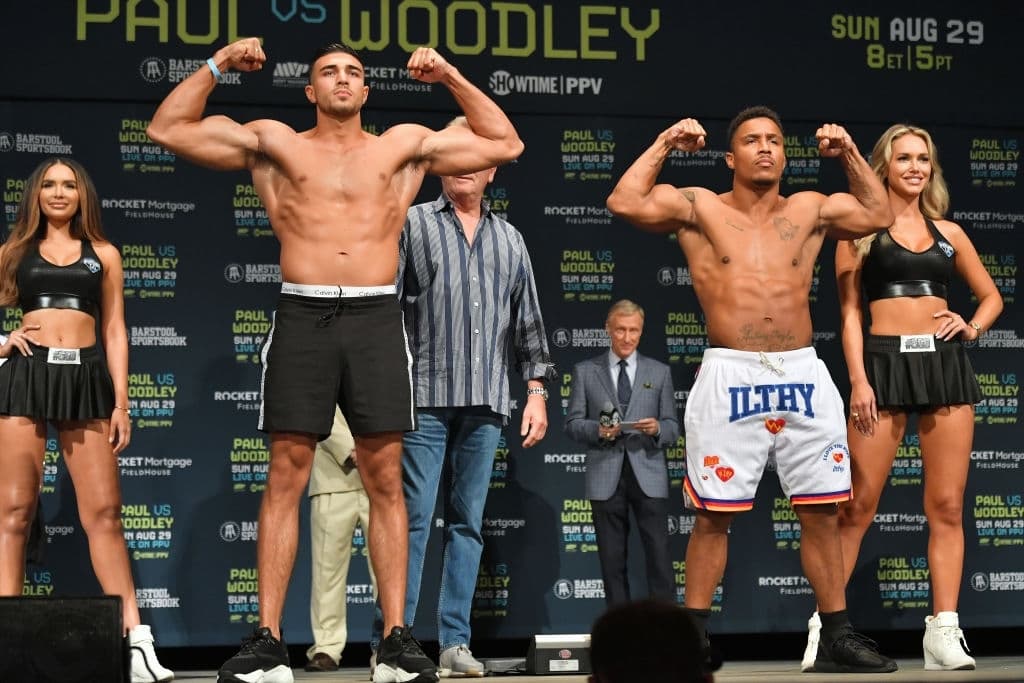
[[785, 228]]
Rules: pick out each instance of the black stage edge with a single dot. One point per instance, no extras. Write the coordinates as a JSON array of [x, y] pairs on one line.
[[984, 642]]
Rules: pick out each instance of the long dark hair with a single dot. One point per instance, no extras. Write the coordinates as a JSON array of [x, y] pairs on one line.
[[30, 223]]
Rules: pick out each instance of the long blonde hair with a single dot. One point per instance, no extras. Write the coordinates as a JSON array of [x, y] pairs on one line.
[[934, 199], [30, 223]]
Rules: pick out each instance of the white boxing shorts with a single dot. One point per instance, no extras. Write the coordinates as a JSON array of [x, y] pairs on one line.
[[746, 407]]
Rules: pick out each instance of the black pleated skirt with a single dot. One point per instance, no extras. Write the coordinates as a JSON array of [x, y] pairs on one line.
[[31, 386], [919, 380]]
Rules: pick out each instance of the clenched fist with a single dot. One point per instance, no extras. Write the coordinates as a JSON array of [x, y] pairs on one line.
[[427, 65], [686, 136], [245, 54], [833, 140]]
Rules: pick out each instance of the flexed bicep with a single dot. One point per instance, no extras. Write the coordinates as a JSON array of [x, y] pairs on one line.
[[216, 142], [457, 149], [639, 199], [663, 209]]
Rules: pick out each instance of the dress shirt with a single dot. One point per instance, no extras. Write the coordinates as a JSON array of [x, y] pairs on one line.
[[471, 310]]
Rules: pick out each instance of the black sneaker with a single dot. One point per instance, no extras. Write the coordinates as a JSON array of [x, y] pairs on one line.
[[851, 652], [400, 659], [712, 656], [262, 659]]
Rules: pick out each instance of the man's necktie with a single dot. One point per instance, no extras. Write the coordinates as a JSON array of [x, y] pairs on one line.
[[625, 391]]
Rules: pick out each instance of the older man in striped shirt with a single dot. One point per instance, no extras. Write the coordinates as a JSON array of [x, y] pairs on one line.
[[471, 310]]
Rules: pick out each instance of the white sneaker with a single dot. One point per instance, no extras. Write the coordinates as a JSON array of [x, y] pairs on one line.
[[457, 662], [145, 666], [945, 647], [813, 638]]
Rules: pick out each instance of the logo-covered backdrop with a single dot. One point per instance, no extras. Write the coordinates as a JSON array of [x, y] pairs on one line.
[[589, 86]]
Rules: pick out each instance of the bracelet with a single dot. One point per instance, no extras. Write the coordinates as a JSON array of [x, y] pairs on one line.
[[538, 391], [977, 328], [127, 411], [213, 68]]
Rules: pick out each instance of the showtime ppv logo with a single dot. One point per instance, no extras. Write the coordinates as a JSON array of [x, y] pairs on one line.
[[504, 83]]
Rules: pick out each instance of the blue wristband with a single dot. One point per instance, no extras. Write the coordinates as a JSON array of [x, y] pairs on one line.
[[213, 68]]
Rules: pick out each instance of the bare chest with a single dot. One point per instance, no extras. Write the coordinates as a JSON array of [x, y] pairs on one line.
[[313, 168], [781, 244], [339, 176]]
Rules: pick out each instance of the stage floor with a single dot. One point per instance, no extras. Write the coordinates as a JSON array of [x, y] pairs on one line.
[[911, 671]]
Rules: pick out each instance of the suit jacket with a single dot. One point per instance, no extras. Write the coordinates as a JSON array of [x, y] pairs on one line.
[[653, 396]]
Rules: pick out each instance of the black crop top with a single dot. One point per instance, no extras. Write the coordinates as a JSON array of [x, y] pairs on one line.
[[891, 270], [78, 285]]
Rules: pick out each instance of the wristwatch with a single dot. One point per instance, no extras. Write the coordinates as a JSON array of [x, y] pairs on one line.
[[976, 326], [538, 391]]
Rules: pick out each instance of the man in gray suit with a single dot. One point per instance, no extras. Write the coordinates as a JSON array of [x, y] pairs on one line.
[[623, 408]]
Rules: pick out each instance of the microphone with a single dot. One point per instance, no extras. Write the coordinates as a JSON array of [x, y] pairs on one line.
[[609, 415]]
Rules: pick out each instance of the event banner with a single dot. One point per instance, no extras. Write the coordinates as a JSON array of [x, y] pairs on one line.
[[590, 87], [856, 59]]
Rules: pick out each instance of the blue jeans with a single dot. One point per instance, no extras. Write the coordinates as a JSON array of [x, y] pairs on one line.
[[467, 438]]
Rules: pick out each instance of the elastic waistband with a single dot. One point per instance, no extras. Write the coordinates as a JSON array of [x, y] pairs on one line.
[[335, 291], [735, 355]]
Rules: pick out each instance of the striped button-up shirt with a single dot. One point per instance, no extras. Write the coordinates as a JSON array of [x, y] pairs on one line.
[[471, 310]]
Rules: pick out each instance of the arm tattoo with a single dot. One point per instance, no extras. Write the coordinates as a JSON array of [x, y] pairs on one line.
[[785, 228]]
